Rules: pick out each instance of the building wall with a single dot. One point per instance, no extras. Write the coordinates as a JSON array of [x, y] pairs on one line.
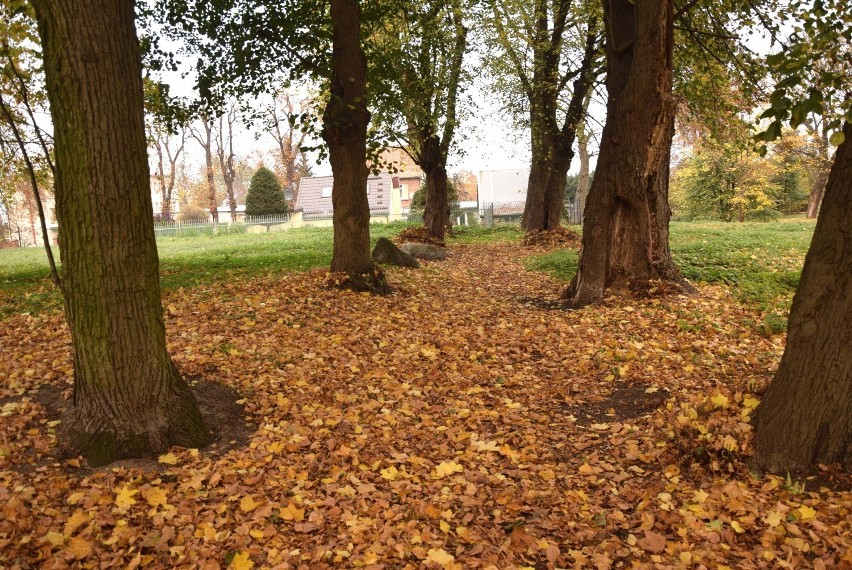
[[502, 186]]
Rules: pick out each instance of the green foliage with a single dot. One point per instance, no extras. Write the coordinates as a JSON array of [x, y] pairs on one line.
[[727, 181], [761, 262], [418, 200], [265, 196], [811, 69]]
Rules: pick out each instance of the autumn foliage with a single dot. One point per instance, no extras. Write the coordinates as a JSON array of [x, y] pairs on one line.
[[508, 433]]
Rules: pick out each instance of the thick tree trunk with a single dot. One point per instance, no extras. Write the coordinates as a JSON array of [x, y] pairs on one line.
[[129, 399], [805, 417], [626, 224], [436, 214], [345, 132]]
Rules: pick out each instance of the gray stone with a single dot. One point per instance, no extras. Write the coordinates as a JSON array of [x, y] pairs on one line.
[[424, 251], [386, 252]]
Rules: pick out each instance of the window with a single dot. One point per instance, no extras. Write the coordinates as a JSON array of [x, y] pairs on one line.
[[326, 192], [403, 192]]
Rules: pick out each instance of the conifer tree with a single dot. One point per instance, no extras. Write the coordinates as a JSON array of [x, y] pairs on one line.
[[265, 196]]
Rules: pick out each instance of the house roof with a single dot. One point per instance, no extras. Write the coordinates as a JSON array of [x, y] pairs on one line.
[[396, 158], [310, 199]]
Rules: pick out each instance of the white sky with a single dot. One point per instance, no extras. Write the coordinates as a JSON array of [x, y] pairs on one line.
[[485, 140]]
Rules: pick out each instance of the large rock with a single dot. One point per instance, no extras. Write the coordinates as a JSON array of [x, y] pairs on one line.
[[386, 252], [424, 251]]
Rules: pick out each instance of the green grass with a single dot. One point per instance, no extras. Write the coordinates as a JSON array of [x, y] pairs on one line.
[[760, 261]]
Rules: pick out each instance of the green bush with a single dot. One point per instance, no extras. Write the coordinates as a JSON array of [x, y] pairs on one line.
[[265, 196], [418, 200]]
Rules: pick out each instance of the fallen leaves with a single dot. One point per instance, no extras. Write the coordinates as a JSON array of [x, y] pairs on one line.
[[389, 435]]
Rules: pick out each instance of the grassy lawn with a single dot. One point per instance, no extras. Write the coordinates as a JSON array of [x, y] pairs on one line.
[[760, 261]]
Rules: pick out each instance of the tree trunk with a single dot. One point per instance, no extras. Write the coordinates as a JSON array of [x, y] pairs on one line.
[[626, 224], [345, 132], [211, 185], [805, 417], [553, 147], [584, 176], [436, 214], [129, 399], [815, 199], [823, 167], [535, 211]]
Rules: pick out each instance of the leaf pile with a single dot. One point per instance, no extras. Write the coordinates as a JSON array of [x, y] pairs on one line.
[[417, 234], [560, 236], [442, 426]]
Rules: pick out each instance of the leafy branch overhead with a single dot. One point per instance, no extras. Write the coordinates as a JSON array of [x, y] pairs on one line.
[[811, 70]]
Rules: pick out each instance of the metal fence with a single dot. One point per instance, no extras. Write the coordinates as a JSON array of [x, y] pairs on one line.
[[486, 215], [201, 227]]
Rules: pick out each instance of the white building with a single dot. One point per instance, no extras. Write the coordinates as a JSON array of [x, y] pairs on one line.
[[503, 186]]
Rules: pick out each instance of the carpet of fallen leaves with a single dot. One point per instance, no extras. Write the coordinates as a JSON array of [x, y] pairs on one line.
[[464, 421]]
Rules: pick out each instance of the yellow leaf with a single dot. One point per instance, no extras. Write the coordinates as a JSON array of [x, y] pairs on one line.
[[586, 469], [293, 513], [124, 498], [480, 445], [155, 496], [445, 526], [234, 352], [736, 526], [750, 402], [168, 459], [247, 504], [241, 561], [75, 521], [256, 533], [447, 468], [439, 556], [75, 498], [429, 352], [773, 519], [806, 513], [547, 474], [55, 538], [390, 473], [511, 405], [79, 548], [700, 496], [720, 401]]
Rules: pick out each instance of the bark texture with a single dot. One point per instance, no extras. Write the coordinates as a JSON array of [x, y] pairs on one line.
[[345, 132], [626, 223], [129, 399], [805, 417]]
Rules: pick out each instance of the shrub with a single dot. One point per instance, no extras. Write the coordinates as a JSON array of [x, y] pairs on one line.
[[418, 200], [265, 196], [193, 213]]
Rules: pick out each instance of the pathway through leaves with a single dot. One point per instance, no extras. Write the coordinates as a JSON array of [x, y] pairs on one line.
[[452, 424]]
